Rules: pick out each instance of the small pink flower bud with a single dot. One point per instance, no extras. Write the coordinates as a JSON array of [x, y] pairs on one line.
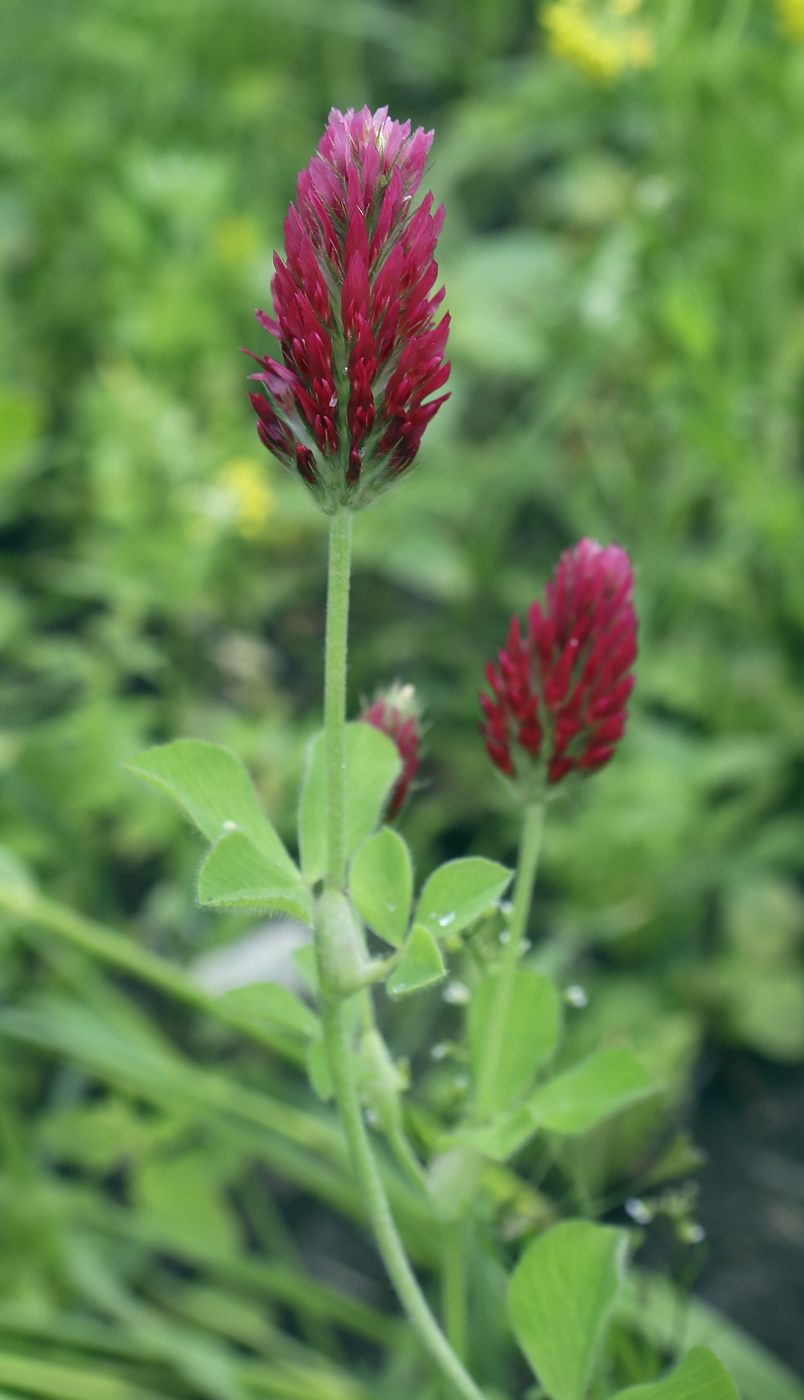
[[397, 713], [559, 695], [361, 348]]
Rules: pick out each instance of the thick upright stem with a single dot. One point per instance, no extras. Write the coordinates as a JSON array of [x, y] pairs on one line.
[[340, 559], [336, 1036], [529, 846]]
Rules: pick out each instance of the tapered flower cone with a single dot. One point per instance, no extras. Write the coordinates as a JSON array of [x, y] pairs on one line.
[[559, 694], [362, 353], [397, 713]]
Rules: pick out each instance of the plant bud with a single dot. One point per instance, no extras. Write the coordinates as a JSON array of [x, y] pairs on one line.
[[397, 713]]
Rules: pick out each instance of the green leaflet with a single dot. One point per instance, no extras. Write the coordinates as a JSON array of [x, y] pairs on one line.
[[236, 875], [458, 893], [211, 785], [560, 1297], [571, 1104], [700, 1376], [381, 885], [580, 1098], [420, 966], [372, 767], [531, 1032], [651, 1306]]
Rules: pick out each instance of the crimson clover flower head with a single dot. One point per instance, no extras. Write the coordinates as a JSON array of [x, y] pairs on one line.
[[396, 711], [559, 694], [355, 314]]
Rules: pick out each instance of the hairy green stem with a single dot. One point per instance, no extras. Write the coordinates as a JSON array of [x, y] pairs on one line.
[[340, 559], [336, 1035], [339, 1055], [529, 847]]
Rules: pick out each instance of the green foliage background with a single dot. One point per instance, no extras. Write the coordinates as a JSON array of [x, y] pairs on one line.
[[625, 270]]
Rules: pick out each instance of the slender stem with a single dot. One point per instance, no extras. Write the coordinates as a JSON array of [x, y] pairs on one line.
[[396, 1137], [339, 1055], [336, 1035], [529, 847], [453, 1286], [340, 558]]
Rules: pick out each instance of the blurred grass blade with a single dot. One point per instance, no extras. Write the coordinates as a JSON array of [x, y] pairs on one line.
[[652, 1306], [56, 1381], [114, 949], [290, 1139]]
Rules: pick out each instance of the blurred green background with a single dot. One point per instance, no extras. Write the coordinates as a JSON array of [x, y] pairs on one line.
[[624, 262]]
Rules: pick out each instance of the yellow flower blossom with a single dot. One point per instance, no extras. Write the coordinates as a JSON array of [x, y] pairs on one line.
[[255, 502], [790, 17], [602, 37]]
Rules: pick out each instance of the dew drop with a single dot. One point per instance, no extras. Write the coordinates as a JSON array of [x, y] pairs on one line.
[[391, 908], [691, 1232], [577, 996], [446, 920], [230, 826], [457, 994], [639, 1211]]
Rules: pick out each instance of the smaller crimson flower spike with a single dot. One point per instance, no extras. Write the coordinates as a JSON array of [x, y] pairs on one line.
[[396, 711], [361, 350], [559, 694]]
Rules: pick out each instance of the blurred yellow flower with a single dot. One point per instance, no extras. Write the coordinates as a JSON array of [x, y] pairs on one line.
[[237, 239], [602, 37], [255, 501], [790, 17]]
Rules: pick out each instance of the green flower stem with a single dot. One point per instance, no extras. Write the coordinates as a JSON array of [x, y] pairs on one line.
[[339, 1055], [396, 1136], [336, 1035], [340, 559], [453, 1286], [529, 847]]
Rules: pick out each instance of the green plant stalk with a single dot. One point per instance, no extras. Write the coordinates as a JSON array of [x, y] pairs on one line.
[[340, 560], [339, 1054], [453, 1286], [336, 1035], [396, 1137], [527, 863]]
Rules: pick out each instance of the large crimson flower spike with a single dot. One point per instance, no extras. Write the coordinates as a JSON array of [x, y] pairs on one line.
[[559, 695], [361, 349], [397, 713]]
